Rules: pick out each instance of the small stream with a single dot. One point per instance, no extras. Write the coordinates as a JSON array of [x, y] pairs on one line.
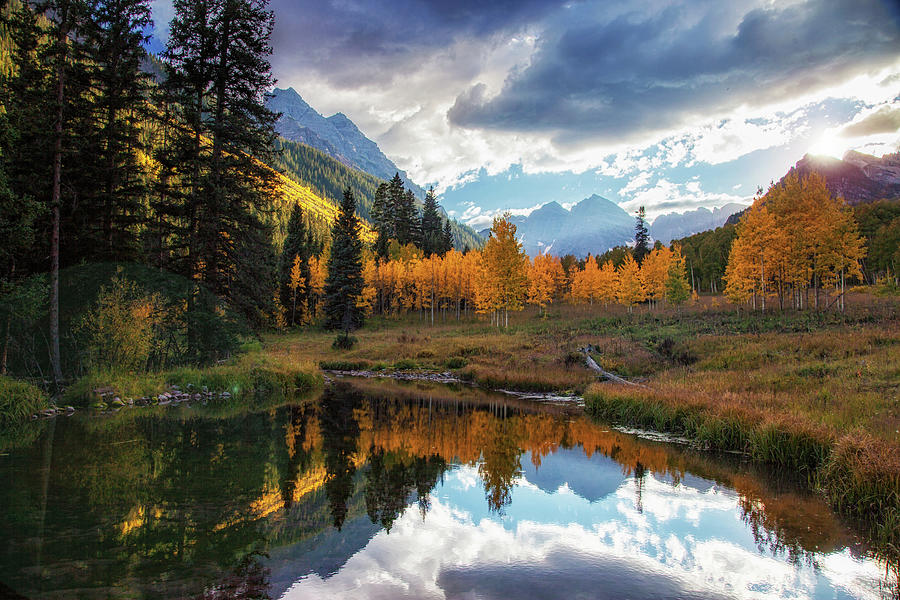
[[391, 489]]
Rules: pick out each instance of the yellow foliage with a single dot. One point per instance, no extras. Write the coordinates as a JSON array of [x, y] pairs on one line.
[[798, 236], [120, 330], [630, 289]]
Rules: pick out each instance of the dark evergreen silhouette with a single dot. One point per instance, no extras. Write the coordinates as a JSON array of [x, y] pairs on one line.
[[112, 206], [216, 189], [447, 238], [296, 244], [432, 230], [340, 437], [344, 283], [406, 228], [641, 237], [383, 219]]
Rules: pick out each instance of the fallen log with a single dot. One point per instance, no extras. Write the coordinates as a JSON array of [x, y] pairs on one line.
[[592, 364]]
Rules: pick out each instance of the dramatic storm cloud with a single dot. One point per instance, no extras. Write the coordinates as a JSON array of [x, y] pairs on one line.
[[651, 71], [673, 103]]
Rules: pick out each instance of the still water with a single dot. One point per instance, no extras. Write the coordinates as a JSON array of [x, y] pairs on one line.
[[388, 490]]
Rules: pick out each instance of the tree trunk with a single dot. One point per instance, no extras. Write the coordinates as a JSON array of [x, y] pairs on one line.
[[55, 199]]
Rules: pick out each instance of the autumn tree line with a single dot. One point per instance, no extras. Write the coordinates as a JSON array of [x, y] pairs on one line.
[[416, 270], [796, 247], [878, 224]]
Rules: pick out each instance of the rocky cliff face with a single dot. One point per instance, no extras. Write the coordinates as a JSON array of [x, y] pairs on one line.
[[336, 136], [858, 178]]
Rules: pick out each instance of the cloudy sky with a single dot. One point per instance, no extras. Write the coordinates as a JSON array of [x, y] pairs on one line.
[[670, 104]]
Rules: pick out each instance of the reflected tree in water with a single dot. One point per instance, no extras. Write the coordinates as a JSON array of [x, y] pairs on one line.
[[300, 459], [340, 435], [391, 480], [500, 466], [248, 580]]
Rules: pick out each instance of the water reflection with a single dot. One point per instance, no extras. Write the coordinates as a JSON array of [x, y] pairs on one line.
[[385, 490]]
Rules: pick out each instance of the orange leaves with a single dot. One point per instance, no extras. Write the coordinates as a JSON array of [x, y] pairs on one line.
[[505, 266], [630, 289], [546, 280], [795, 237], [586, 282]]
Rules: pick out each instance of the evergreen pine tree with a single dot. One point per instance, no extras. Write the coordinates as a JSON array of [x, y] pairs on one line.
[[344, 283], [218, 188], [24, 148], [432, 234], [295, 245], [66, 24], [113, 207], [641, 237], [403, 204], [446, 238]]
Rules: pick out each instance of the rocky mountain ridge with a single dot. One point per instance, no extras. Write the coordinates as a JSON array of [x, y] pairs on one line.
[[337, 136]]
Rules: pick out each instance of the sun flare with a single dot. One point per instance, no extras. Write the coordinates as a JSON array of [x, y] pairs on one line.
[[829, 144]]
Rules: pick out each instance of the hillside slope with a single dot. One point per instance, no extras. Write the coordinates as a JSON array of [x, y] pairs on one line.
[[324, 177], [336, 136]]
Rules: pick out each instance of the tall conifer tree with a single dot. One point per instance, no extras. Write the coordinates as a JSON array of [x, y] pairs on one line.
[[296, 245], [641, 237], [382, 214], [432, 233], [217, 76], [345, 281], [114, 210]]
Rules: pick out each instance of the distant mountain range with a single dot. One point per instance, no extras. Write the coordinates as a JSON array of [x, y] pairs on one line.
[[673, 226], [596, 224], [592, 226], [330, 154], [336, 136]]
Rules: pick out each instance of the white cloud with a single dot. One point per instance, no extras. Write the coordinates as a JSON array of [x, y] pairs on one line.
[[477, 219], [163, 11], [422, 559], [666, 196]]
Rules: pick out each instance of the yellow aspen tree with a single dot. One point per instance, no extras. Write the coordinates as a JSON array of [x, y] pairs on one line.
[[366, 299], [505, 262], [318, 272], [485, 288], [607, 283], [471, 267], [454, 267], [295, 281], [630, 289], [545, 279], [654, 270], [845, 248], [585, 283]]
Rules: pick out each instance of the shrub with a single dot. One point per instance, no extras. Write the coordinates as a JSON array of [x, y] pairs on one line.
[[19, 400], [344, 341], [344, 365], [456, 362], [122, 329]]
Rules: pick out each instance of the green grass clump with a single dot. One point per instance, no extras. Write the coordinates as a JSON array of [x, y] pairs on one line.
[[344, 365], [19, 400], [252, 375], [456, 362], [406, 364]]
